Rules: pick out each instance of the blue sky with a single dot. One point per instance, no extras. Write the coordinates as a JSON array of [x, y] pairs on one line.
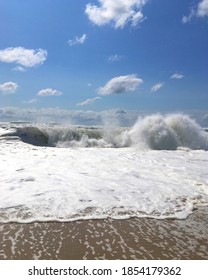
[[134, 55]]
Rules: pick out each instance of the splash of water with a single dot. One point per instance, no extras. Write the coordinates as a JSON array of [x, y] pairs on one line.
[[168, 133]]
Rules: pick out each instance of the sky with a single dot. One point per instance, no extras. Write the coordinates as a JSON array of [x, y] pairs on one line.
[[81, 58]]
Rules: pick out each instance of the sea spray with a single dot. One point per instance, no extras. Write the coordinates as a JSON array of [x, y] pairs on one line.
[[169, 132], [153, 132], [188, 132]]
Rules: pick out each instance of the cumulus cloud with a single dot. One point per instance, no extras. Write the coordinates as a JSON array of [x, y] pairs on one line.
[[49, 92], [200, 11], [121, 84], [177, 76], [117, 12], [23, 57], [156, 87], [88, 101], [78, 40], [8, 87]]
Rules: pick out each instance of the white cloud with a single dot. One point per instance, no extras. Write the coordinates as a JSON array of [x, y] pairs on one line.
[[49, 92], [137, 18], [78, 40], [88, 101], [156, 87], [177, 76], [117, 12], [115, 58], [121, 84], [200, 11], [188, 18], [31, 101], [19, 69], [24, 57], [8, 87]]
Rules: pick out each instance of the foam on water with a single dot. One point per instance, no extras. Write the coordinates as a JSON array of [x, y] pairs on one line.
[[68, 184], [143, 174]]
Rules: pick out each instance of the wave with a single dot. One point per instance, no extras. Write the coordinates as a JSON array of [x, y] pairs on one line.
[[155, 132], [168, 133]]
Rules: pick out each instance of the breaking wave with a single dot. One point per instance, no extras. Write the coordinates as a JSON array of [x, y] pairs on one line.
[[168, 133], [155, 132]]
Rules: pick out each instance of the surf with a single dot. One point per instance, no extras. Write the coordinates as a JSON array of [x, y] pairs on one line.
[[169, 132], [155, 132]]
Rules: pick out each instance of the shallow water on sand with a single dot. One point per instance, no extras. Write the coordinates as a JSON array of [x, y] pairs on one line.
[[137, 238]]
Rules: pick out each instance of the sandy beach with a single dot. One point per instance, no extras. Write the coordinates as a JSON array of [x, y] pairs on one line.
[[136, 238]]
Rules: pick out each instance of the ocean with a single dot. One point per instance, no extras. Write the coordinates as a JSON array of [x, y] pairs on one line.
[[53, 172]]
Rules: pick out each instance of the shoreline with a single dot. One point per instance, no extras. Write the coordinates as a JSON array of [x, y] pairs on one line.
[[135, 238]]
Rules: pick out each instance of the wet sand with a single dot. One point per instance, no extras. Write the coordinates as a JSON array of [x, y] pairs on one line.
[[136, 238]]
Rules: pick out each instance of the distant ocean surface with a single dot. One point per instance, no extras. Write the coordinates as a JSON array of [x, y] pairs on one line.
[[53, 172]]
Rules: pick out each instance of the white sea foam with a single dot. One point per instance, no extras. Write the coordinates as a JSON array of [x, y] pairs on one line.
[[141, 173]]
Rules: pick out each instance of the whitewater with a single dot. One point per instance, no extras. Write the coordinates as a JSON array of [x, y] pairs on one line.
[[53, 172]]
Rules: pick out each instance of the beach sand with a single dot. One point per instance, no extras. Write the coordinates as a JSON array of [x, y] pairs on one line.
[[136, 238]]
